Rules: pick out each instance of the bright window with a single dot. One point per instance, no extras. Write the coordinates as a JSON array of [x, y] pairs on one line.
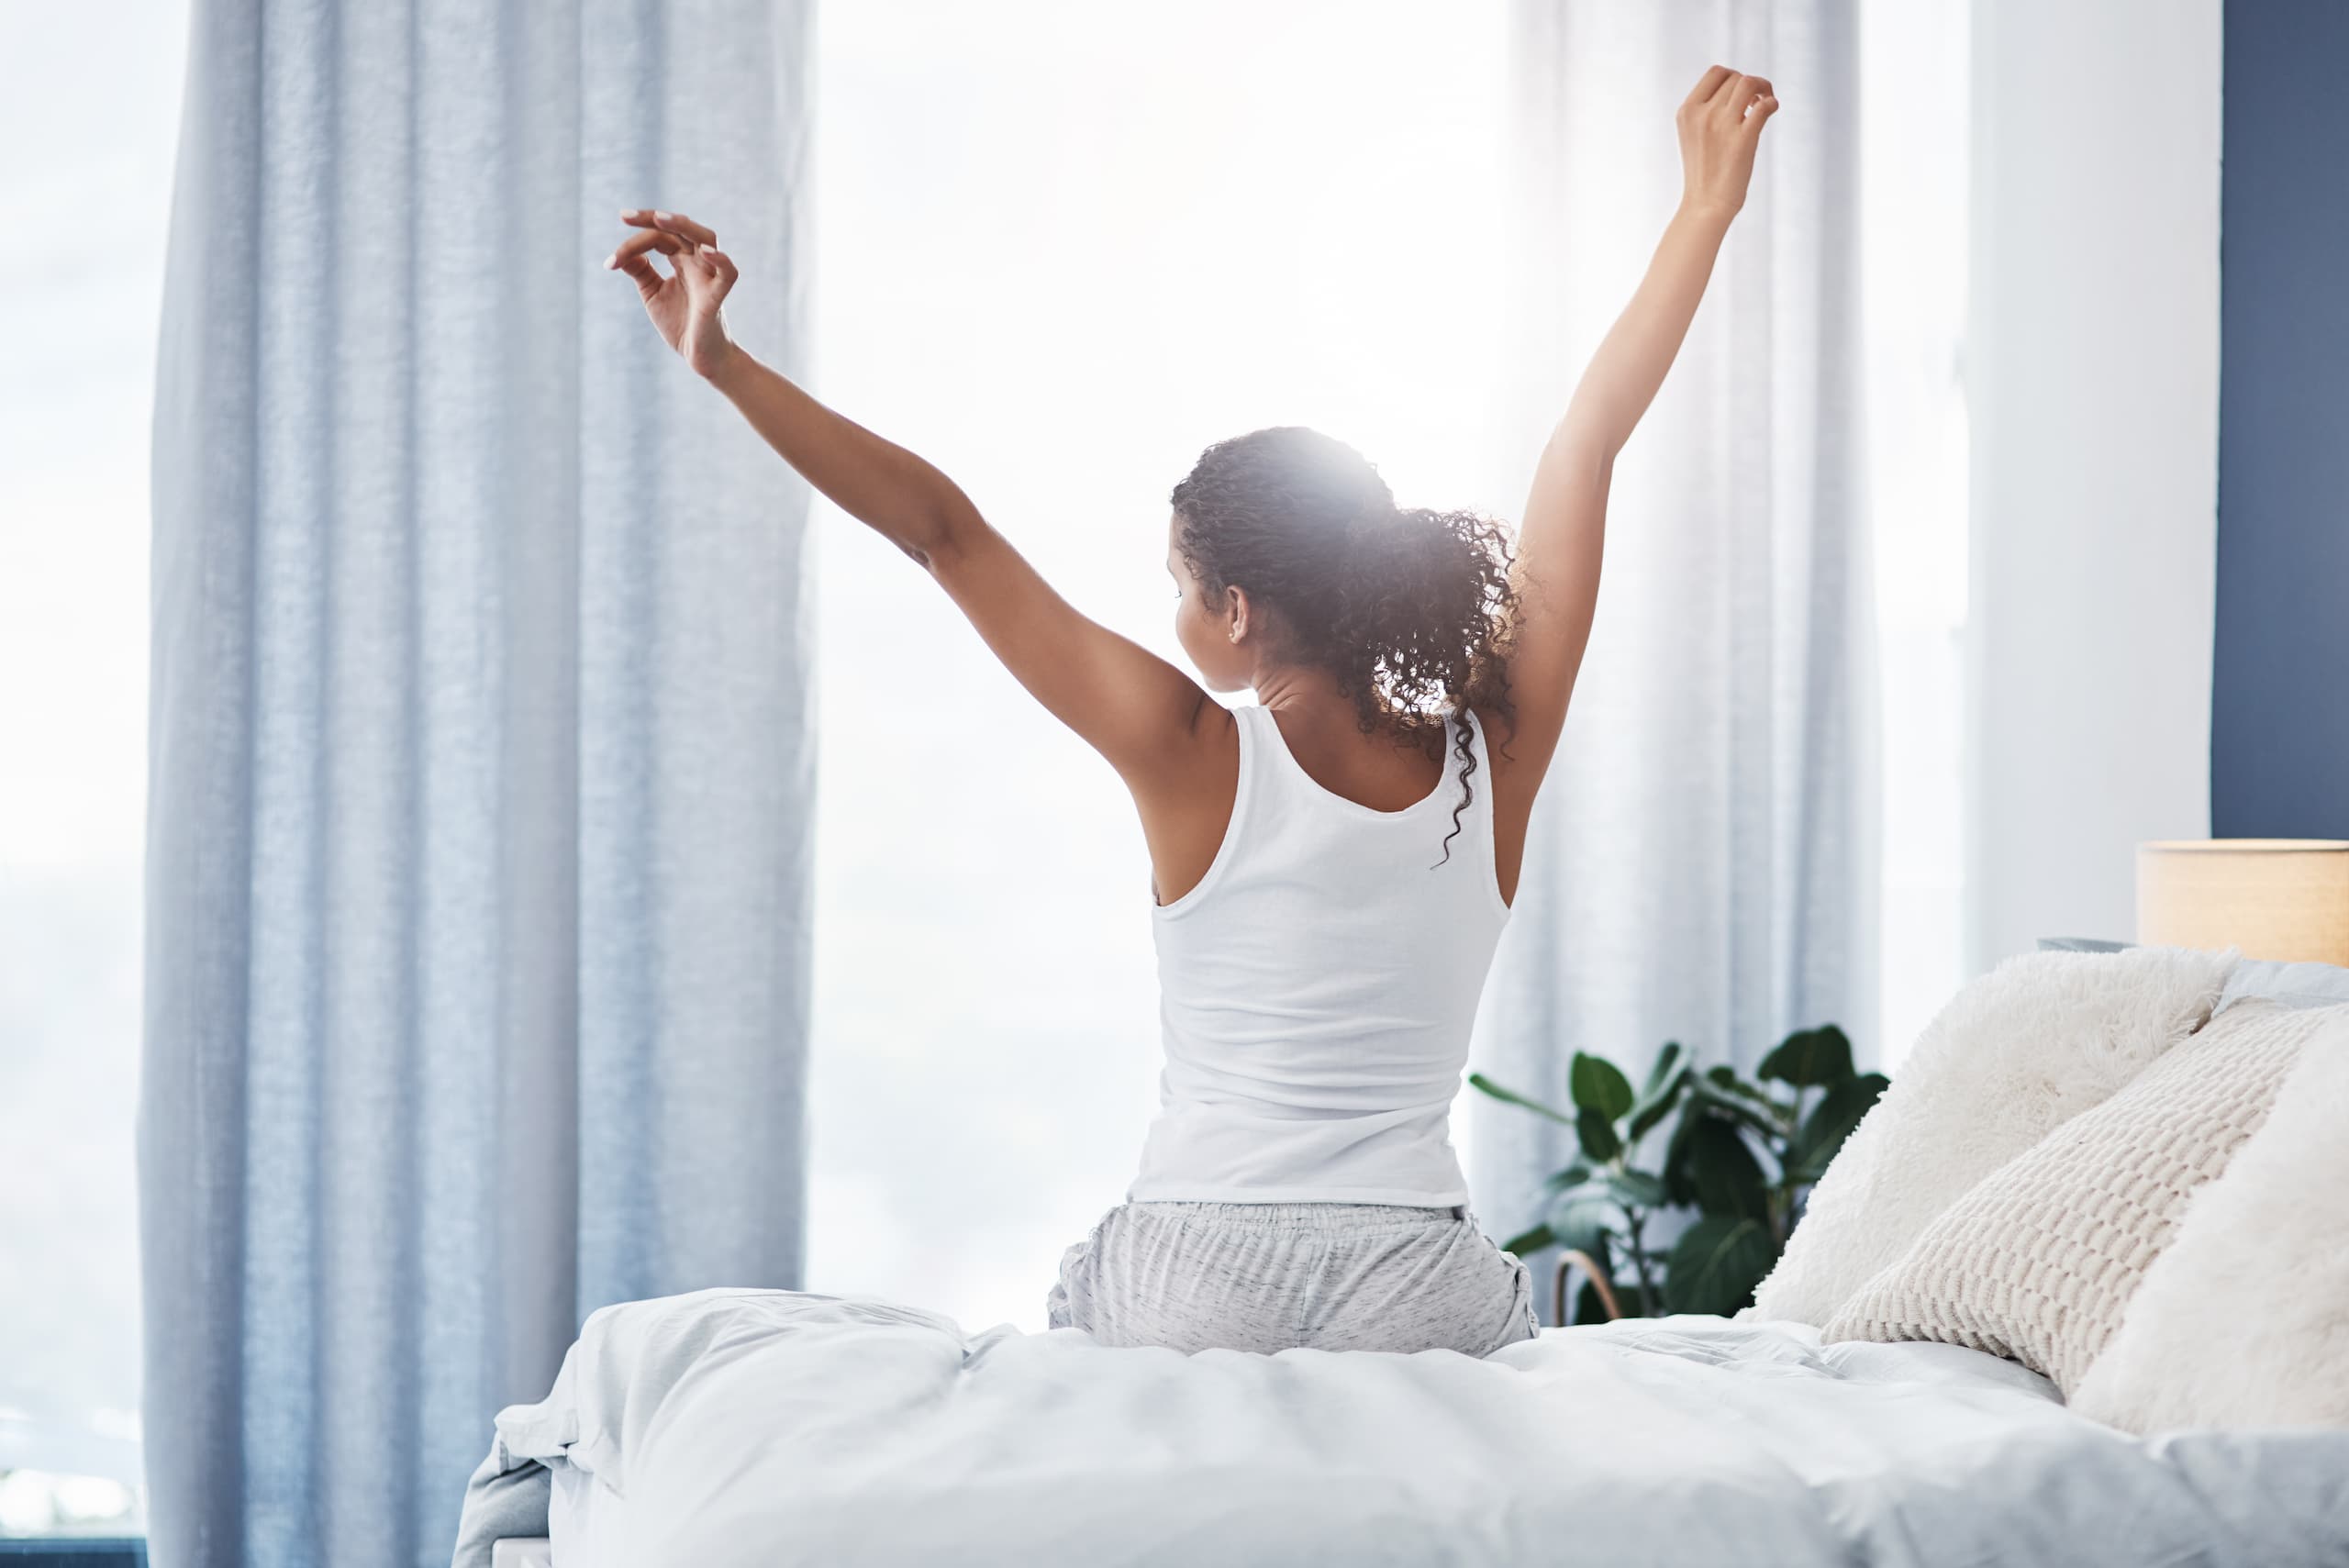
[[1912, 261], [89, 111], [1061, 248]]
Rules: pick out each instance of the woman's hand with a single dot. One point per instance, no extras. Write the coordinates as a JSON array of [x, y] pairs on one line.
[[1719, 124], [686, 305]]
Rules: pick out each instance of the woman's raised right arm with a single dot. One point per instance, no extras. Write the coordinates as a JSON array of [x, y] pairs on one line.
[[1562, 540]]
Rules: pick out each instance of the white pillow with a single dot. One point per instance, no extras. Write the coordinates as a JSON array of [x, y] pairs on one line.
[[2243, 1320], [2039, 1260], [2037, 1041]]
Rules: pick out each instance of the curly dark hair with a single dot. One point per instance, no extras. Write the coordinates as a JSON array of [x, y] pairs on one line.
[[1407, 608]]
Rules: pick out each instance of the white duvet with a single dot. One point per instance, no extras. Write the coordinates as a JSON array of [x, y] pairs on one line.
[[772, 1428]]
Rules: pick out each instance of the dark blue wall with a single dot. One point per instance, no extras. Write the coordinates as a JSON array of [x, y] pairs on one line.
[[2279, 719]]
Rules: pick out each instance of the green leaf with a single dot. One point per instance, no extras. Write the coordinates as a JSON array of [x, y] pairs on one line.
[[1676, 1184], [1723, 1176], [1829, 1123], [1573, 1176], [1599, 1085], [1708, 1100], [1668, 1064], [1584, 1220], [1810, 1059], [1479, 1081], [1717, 1262], [1635, 1189], [1598, 1134], [1723, 1077], [1530, 1241], [1656, 1101]]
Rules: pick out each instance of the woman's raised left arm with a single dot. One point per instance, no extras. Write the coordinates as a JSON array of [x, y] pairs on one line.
[[1140, 712]]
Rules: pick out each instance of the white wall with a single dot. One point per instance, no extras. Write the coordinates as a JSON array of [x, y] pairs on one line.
[[2093, 397]]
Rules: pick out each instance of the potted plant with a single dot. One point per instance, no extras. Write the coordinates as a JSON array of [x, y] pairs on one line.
[[1743, 1154]]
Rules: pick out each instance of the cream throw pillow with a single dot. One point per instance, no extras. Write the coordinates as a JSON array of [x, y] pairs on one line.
[[2037, 1041], [2038, 1262], [2244, 1319]]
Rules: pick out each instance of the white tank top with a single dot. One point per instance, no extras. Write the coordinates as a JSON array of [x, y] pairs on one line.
[[1317, 989]]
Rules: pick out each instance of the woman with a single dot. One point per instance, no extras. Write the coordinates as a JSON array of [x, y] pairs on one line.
[[1331, 867]]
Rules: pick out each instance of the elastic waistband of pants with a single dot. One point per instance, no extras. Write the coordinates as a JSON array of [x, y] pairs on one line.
[[1304, 1216]]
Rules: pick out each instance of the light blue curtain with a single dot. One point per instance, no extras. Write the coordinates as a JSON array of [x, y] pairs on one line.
[[1703, 865], [480, 762]]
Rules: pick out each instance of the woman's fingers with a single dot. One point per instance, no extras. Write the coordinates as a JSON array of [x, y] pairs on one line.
[[1735, 93], [1761, 111], [660, 239], [704, 272], [675, 223], [1709, 83], [709, 275], [648, 277], [633, 252]]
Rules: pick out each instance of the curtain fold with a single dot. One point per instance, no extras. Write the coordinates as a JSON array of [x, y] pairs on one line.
[[481, 750], [1702, 866]]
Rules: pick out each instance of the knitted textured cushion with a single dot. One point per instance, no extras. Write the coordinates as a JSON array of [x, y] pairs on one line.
[[2033, 1044], [2038, 1262]]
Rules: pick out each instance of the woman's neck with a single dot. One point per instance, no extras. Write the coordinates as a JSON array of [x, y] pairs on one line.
[[1323, 723], [1293, 689]]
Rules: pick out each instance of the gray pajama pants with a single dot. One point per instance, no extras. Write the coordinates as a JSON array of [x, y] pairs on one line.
[[1272, 1276]]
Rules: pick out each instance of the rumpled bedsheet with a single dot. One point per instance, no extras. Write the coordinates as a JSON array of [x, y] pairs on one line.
[[737, 1427]]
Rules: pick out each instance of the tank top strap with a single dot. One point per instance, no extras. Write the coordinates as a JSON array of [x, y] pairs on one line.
[[1265, 754]]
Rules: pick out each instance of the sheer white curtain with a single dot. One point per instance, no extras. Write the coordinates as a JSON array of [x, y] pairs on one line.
[[480, 753], [1703, 865]]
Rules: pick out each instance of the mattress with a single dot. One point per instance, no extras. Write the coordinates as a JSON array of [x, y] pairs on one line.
[[771, 1428]]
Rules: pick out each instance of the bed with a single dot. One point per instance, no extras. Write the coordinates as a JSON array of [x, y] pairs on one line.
[[770, 1427]]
